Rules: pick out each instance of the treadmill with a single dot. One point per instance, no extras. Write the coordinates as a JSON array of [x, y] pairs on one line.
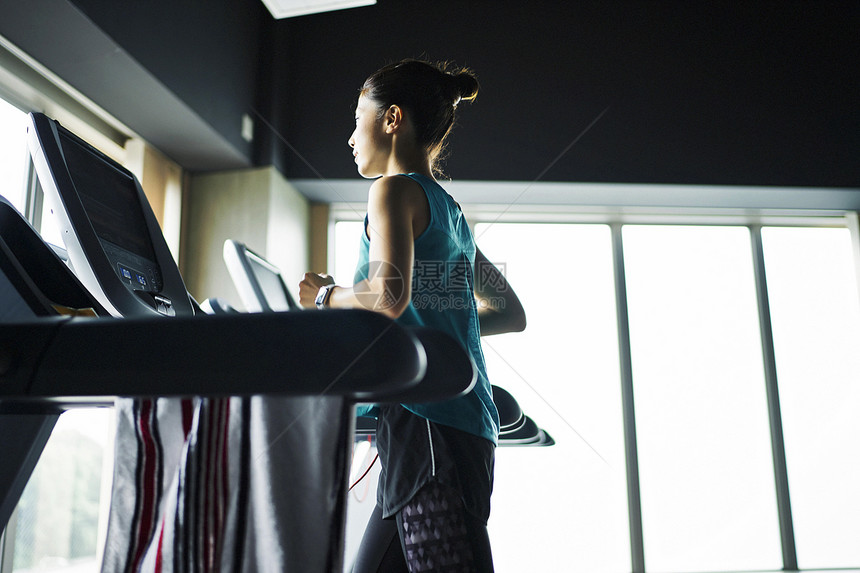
[[233, 430]]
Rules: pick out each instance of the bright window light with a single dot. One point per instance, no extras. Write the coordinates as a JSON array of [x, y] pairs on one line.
[[706, 469], [816, 329], [562, 508], [13, 154], [60, 525], [347, 237]]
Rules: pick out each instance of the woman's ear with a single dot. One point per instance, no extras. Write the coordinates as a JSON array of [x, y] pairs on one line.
[[393, 119]]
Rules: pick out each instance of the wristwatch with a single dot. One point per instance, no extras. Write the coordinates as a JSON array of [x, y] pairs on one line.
[[323, 295]]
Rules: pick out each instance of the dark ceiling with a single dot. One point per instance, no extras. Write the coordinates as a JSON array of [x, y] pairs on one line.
[[728, 93]]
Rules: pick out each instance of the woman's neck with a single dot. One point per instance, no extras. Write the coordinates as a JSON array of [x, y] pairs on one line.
[[409, 160]]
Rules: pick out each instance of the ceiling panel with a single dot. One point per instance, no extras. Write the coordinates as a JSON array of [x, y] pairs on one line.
[[289, 8]]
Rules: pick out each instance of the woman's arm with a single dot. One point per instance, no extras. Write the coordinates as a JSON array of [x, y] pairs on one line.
[[499, 307], [392, 207]]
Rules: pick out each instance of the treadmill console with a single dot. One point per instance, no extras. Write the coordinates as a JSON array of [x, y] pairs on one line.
[[113, 239], [109, 197]]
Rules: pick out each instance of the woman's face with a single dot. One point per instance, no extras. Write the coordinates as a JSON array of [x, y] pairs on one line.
[[369, 146]]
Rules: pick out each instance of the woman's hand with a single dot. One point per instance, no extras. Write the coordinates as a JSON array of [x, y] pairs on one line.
[[310, 286]]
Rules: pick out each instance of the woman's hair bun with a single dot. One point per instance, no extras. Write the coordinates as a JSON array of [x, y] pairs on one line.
[[464, 85]]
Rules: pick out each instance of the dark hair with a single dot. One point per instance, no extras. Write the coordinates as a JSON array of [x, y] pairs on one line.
[[428, 92]]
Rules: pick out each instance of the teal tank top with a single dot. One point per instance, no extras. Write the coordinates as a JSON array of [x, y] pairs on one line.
[[443, 298]]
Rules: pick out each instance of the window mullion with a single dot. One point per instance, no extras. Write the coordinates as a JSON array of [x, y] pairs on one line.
[[786, 526], [852, 221], [634, 499]]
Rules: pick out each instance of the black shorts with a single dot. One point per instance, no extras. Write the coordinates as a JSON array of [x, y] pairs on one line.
[[413, 450]]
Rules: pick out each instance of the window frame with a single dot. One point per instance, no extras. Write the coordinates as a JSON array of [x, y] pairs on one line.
[[29, 86], [662, 211]]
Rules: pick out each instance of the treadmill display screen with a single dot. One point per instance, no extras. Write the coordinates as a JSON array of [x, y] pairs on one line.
[[271, 284], [109, 197]]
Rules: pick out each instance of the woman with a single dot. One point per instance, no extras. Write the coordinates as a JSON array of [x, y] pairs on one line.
[[437, 459]]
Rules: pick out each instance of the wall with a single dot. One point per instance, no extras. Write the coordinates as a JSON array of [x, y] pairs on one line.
[[205, 53], [717, 93], [162, 181], [255, 206], [288, 230], [319, 238]]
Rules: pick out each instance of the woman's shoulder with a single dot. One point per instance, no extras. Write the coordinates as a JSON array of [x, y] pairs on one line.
[[396, 190], [393, 183], [400, 198]]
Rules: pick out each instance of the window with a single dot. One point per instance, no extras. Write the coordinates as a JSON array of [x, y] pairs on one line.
[[563, 370], [13, 154], [816, 329], [706, 460], [705, 464], [562, 508], [347, 235], [61, 520], [60, 524]]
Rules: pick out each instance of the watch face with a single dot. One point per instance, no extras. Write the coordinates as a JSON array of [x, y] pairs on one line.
[[322, 295]]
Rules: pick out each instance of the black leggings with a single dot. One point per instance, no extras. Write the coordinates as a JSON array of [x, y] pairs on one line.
[[433, 532]]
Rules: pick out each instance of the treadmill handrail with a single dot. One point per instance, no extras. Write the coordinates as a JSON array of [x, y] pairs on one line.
[[354, 353], [451, 372]]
